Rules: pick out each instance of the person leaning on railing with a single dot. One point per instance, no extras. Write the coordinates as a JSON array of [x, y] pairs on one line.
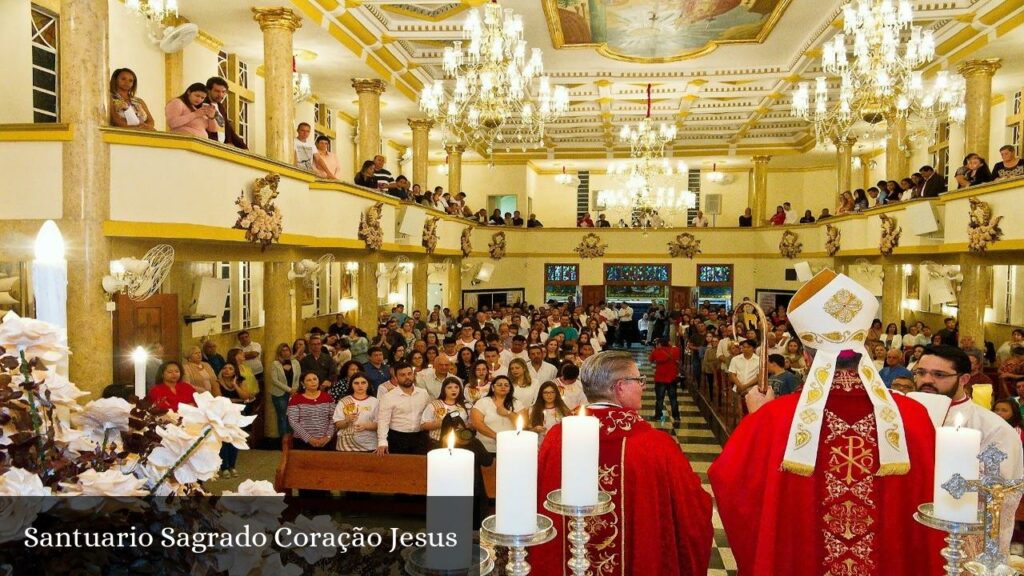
[[126, 109], [190, 114], [976, 172]]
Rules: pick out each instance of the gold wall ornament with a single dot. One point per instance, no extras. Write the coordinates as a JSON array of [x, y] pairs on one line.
[[430, 236], [497, 246], [370, 229], [590, 246], [983, 228], [832, 237], [684, 245], [790, 245], [467, 241], [890, 235], [260, 217], [277, 18]]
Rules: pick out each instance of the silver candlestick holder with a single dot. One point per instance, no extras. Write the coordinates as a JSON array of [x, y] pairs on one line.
[[578, 515], [517, 543], [955, 533], [417, 564]]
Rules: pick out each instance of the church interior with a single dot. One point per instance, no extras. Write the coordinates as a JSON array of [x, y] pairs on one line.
[[243, 196]]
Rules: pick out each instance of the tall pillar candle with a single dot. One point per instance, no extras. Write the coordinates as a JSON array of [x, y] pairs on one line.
[[516, 498], [956, 452], [450, 504], [580, 450], [139, 358]]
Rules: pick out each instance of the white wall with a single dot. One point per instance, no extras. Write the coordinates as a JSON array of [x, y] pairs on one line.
[[16, 65], [480, 181], [130, 48]]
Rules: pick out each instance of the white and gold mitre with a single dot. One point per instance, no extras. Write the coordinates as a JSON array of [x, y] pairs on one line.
[[832, 313]]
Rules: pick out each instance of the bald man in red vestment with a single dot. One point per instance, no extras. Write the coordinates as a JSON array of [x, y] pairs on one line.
[[661, 523], [826, 482]]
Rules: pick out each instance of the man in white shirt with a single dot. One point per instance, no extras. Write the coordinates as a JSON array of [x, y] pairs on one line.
[[540, 371], [626, 330], [699, 221], [791, 215], [910, 338], [253, 353], [399, 428], [430, 379], [465, 338], [946, 370], [303, 147], [745, 368], [518, 349]]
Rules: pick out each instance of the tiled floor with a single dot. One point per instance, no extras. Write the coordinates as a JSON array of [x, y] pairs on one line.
[[701, 448]]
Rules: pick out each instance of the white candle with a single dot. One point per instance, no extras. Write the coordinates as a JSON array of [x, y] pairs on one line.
[[139, 357], [450, 504], [516, 498], [50, 282], [580, 449], [956, 452]]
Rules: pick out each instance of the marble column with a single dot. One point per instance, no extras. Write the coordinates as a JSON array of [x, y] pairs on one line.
[[455, 168], [974, 295], [278, 26], [978, 74], [757, 198], [420, 149], [420, 283], [897, 149], [892, 293], [844, 165], [84, 90], [174, 78], [369, 91], [279, 324], [453, 291], [367, 294]]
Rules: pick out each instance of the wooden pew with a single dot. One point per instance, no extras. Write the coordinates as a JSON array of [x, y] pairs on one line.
[[356, 472]]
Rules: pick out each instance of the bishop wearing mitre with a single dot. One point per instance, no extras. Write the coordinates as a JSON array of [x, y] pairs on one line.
[[827, 482]]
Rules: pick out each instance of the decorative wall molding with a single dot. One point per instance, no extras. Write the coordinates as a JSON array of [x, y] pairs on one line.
[[370, 229], [685, 245]]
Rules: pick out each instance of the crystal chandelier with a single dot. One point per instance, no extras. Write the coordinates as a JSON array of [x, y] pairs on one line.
[[716, 176], [493, 86], [875, 61], [646, 141], [566, 179], [301, 88], [156, 10]]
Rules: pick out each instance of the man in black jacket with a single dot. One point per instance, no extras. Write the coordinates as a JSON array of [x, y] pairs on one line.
[[217, 94], [933, 184]]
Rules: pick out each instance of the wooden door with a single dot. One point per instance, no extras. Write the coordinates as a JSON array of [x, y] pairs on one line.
[[681, 296], [591, 295], [148, 323]]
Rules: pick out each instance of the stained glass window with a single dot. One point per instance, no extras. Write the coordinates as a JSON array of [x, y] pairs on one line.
[[562, 273], [714, 274], [639, 273]]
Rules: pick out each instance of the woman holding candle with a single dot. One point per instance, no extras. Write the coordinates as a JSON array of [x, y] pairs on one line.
[[355, 417], [451, 400], [478, 383], [170, 389], [310, 414], [495, 413]]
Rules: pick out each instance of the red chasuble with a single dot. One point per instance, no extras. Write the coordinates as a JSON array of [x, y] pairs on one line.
[[841, 521], [662, 518]]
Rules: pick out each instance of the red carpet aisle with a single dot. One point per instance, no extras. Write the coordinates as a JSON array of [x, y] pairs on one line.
[[700, 446]]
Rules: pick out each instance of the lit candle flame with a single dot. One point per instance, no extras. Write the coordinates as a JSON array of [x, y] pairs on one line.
[[519, 424], [958, 421], [139, 354], [583, 411], [451, 440]]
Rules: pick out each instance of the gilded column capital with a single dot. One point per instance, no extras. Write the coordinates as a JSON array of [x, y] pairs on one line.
[[985, 67], [844, 144], [372, 85], [760, 159], [456, 149], [269, 18], [420, 123]]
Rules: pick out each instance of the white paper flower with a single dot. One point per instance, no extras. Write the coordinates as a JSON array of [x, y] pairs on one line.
[[100, 415], [319, 524], [221, 414], [17, 514], [256, 501], [20, 482], [62, 391], [255, 488], [37, 338], [201, 465], [112, 483], [74, 441]]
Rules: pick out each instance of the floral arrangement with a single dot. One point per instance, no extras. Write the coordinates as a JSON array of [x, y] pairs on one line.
[[832, 238], [590, 246], [890, 235], [983, 229], [497, 246], [790, 245], [430, 236], [370, 229], [684, 245], [467, 241], [260, 217]]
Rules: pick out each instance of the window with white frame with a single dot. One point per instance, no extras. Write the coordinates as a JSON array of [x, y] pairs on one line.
[[45, 66], [245, 292], [242, 128], [243, 74], [222, 64], [223, 271]]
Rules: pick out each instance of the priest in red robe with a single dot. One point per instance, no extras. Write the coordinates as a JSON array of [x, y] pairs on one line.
[[827, 482], [661, 523]]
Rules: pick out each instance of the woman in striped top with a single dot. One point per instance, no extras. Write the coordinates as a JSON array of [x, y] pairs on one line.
[[310, 414], [356, 417], [451, 399]]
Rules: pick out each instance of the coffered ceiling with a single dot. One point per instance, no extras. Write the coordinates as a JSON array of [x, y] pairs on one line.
[[726, 97]]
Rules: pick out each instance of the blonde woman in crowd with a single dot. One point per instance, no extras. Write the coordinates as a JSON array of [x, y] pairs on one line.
[[199, 373]]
